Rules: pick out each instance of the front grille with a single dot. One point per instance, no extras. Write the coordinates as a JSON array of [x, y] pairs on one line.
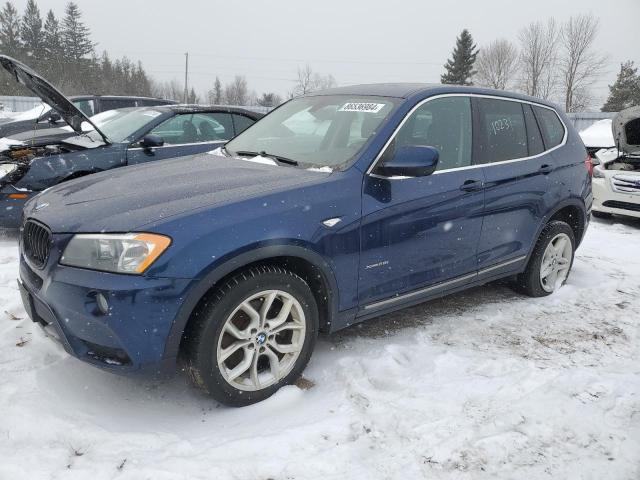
[[36, 242], [635, 207], [626, 183]]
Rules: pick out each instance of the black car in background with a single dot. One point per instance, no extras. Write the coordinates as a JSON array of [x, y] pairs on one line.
[[133, 136], [44, 117]]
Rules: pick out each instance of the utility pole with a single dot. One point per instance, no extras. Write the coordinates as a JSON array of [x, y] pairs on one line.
[[186, 78]]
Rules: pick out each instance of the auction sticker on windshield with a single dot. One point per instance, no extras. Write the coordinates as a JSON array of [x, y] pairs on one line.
[[362, 107]]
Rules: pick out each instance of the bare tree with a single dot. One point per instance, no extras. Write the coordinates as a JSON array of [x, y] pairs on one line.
[[170, 90], [322, 82], [580, 66], [304, 82], [539, 58], [309, 81], [497, 64], [236, 92]]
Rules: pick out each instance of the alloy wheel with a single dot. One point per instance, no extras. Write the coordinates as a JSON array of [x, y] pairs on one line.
[[261, 340], [556, 262]]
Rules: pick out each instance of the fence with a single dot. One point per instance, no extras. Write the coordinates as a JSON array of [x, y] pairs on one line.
[[18, 104], [582, 120]]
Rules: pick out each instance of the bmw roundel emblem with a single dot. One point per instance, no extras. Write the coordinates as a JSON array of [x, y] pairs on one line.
[[41, 206]]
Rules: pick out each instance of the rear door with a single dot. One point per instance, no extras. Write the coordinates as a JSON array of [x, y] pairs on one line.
[[519, 187], [420, 231], [185, 134]]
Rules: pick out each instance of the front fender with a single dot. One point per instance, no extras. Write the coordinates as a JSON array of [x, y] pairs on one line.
[[202, 285]]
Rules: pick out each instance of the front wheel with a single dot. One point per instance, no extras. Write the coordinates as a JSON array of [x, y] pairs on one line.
[[255, 335], [551, 261]]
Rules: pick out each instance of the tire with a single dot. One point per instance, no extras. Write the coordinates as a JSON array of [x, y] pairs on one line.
[[227, 322], [601, 215], [531, 281]]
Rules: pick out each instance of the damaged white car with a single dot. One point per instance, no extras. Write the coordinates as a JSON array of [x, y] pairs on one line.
[[616, 173]]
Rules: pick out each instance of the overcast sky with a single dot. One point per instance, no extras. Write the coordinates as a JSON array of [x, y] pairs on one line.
[[359, 41]]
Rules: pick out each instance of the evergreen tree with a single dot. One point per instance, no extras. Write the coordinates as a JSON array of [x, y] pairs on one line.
[[53, 52], [217, 92], [32, 34], [459, 69], [10, 43], [76, 35], [625, 92]]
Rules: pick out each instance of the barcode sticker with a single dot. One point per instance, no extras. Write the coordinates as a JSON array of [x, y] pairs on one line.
[[362, 107]]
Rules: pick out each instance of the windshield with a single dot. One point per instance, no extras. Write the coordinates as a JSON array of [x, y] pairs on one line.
[[321, 131], [119, 126]]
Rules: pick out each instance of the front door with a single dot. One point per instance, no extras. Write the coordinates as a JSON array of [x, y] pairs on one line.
[[422, 231], [185, 134]]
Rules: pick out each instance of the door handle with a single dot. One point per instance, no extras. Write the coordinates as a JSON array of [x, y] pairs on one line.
[[472, 186], [546, 169]]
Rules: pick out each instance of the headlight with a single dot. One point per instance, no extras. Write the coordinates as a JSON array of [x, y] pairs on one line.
[[132, 253], [6, 169]]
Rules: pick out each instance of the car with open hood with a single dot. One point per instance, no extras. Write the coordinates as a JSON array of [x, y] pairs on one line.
[[616, 175], [132, 136], [336, 207]]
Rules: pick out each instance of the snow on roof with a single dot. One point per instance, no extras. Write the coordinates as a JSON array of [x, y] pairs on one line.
[[598, 135]]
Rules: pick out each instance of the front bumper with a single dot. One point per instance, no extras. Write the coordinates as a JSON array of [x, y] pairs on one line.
[[131, 337], [606, 200]]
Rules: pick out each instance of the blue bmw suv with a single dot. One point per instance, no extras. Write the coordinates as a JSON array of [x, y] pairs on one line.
[[337, 207]]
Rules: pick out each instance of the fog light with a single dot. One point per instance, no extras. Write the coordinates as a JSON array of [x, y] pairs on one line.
[[103, 305]]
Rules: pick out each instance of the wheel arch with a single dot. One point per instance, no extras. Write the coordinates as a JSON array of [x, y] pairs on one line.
[[309, 265], [575, 215]]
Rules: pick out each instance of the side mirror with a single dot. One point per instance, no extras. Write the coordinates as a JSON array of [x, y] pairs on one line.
[[151, 141], [54, 117], [411, 161]]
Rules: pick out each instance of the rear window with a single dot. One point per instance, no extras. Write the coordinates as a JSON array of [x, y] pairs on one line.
[[115, 103], [551, 126], [502, 133]]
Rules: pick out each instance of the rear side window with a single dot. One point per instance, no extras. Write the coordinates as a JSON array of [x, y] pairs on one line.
[[551, 126], [534, 137], [502, 132], [242, 123], [443, 123]]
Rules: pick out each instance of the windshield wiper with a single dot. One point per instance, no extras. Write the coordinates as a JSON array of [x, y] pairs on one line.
[[277, 158]]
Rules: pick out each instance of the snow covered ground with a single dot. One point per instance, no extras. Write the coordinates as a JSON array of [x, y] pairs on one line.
[[484, 384]]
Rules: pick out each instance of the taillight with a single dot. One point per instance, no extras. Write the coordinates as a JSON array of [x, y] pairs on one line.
[[588, 163]]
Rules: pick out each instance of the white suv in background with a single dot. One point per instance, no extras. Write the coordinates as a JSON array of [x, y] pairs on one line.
[[616, 173]]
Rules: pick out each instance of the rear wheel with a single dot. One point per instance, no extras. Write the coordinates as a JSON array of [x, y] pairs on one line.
[[255, 336], [551, 261]]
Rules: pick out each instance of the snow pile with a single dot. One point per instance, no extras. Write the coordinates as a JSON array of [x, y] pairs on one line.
[[598, 135], [7, 143], [483, 384]]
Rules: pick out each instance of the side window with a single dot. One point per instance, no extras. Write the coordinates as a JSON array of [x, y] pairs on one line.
[[242, 123], [551, 126], [443, 123], [213, 126], [114, 103], [533, 132], [195, 128], [86, 106], [502, 132]]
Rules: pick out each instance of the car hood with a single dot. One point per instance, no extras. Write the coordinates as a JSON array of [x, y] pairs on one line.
[[128, 199], [47, 92], [626, 130]]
